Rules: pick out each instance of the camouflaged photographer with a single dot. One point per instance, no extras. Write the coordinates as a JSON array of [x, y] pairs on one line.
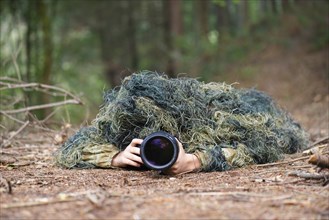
[[222, 126]]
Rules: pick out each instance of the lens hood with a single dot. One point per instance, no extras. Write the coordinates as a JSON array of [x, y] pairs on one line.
[[159, 150]]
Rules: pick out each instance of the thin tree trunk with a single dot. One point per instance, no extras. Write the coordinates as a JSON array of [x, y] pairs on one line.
[[112, 69], [203, 8], [222, 18], [167, 37], [132, 36], [173, 28], [43, 12], [176, 18], [28, 41], [242, 16]]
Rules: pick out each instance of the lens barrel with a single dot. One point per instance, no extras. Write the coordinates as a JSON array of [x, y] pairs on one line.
[[159, 150]]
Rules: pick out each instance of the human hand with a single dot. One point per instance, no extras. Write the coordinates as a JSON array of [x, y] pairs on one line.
[[185, 163], [130, 156]]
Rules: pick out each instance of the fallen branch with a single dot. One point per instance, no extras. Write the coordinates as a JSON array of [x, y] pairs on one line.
[[283, 162], [309, 175], [242, 194]]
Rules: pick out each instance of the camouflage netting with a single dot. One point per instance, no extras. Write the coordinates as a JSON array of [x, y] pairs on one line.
[[204, 117]]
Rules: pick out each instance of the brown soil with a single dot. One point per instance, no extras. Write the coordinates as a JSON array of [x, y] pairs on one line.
[[297, 79]]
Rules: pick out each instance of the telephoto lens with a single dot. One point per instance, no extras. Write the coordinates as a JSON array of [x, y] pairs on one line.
[[159, 150]]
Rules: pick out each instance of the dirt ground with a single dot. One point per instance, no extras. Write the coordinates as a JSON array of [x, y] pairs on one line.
[[298, 81]]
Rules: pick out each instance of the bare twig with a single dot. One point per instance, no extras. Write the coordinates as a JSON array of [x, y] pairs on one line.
[[30, 124], [49, 116], [30, 108], [6, 142], [241, 194], [317, 142], [283, 162], [15, 100], [11, 83], [12, 118], [37, 85], [6, 78], [14, 59], [37, 124]]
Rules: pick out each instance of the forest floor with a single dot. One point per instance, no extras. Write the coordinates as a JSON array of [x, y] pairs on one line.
[[297, 77]]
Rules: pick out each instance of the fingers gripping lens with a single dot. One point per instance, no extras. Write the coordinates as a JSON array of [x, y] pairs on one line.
[[159, 151]]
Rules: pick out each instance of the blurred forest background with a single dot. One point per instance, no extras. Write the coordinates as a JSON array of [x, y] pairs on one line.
[[88, 46]]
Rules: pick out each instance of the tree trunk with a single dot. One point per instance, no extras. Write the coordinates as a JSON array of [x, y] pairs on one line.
[[173, 27], [44, 13], [167, 38], [222, 18], [232, 16], [242, 14], [112, 69], [176, 18], [132, 35], [28, 40], [203, 11], [114, 34]]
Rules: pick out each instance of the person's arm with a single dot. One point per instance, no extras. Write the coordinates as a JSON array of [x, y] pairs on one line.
[[185, 163], [211, 158], [86, 149]]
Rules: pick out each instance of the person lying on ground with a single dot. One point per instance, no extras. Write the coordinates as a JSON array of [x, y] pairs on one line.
[[218, 127]]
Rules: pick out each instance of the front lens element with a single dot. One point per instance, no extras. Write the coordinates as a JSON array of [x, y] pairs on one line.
[[159, 151]]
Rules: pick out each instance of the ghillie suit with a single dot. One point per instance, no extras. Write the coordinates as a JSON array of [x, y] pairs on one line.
[[223, 126]]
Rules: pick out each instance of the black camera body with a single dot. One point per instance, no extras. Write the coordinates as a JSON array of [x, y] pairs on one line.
[[159, 150]]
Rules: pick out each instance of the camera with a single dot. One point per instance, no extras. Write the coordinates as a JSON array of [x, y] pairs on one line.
[[159, 150]]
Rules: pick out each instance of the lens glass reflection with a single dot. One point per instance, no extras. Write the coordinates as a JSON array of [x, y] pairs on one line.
[[159, 151]]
